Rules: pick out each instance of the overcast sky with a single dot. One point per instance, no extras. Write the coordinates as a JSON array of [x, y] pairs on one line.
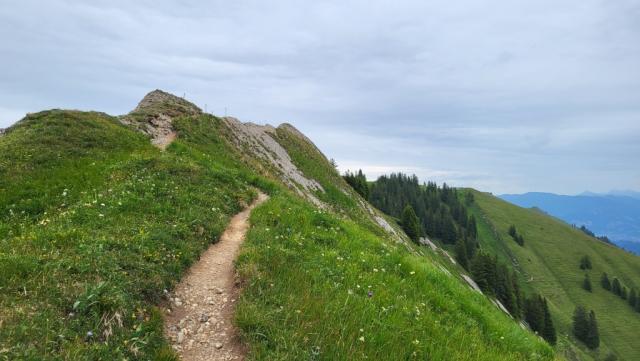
[[504, 96]]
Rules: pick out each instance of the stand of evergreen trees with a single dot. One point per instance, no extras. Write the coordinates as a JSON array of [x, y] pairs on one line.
[[585, 327], [441, 213], [631, 296], [358, 181], [537, 315], [604, 239]]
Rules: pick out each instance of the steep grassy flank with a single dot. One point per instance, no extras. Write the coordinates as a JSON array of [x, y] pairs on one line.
[[549, 262], [324, 288], [95, 224]]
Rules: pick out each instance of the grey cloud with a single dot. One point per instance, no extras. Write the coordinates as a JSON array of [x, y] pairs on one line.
[[504, 96]]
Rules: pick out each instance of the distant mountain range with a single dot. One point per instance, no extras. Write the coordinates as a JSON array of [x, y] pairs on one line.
[[615, 214]]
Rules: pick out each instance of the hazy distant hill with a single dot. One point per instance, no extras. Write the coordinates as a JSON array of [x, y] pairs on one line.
[[612, 215]]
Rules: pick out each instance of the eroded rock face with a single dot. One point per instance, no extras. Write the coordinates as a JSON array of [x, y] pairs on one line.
[[155, 113], [259, 141]]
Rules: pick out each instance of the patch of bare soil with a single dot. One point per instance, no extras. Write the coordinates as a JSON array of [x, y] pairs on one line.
[[199, 319]]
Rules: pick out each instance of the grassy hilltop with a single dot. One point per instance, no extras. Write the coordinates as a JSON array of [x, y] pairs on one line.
[[96, 223], [549, 263]]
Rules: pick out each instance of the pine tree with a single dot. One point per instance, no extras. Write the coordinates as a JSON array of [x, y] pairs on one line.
[[616, 288], [410, 223], [472, 227], [604, 281], [549, 331], [580, 323], [586, 284], [512, 231], [624, 293], [519, 296], [534, 313], [461, 254], [633, 298], [593, 335], [585, 263]]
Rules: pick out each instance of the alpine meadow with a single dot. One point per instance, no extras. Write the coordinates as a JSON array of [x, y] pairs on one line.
[[321, 181]]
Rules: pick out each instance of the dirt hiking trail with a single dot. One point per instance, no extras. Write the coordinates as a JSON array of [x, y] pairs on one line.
[[199, 317]]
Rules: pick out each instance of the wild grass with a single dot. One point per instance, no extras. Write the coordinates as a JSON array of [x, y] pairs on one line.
[[324, 288], [96, 224]]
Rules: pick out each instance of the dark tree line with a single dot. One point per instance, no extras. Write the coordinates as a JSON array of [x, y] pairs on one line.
[[358, 181], [604, 239], [442, 215], [516, 237], [585, 327], [617, 288]]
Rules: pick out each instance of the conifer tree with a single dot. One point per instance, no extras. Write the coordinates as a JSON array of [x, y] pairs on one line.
[[624, 293], [586, 284], [633, 298], [593, 335], [580, 323], [512, 231], [461, 254], [519, 296], [472, 227], [534, 313], [410, 223], [585, 263], [549, 331], [616, 288], [604, 281]]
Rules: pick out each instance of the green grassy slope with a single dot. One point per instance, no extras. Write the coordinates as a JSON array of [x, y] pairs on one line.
[[95, 224], [549, 263]]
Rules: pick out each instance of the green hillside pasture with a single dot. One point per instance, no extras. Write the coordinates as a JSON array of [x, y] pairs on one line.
[[550, 261]]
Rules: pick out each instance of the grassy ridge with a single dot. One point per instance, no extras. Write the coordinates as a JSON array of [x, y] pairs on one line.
[[96, 223], [549, 263], [324, 288]]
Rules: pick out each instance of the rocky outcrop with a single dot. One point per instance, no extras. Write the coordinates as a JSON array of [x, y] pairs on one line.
[[155, 113], [258, 141]]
